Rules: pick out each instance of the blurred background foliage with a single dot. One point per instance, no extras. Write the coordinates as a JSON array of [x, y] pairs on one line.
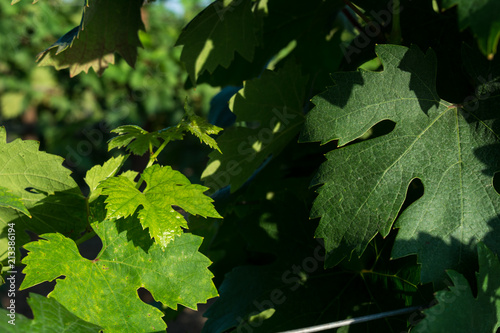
[[72, 117]]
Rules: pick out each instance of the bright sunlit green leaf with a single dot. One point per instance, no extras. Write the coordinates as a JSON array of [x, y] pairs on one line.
[[9, 200], [166, 188], [100, 173], [175, 275], [200, 127]]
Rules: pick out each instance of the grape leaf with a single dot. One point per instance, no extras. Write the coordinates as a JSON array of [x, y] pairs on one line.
[[46, 189], [482, 17], [200, 127], [49, 316], [458, 310], [136, 139], [447, 147], [9, 200], [212, 38], [100, 173], [165, 188], [107, 26], [175, 275], [274, 101]]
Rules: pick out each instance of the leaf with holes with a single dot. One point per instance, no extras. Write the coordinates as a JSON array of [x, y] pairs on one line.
[[452, 150], [175, 275]]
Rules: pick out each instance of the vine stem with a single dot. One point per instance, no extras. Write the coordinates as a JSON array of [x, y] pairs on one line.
[[396, 36], [352, 321], [92, 232], [158, 151], [351, 19], [152, 159], [85, 237], [357, 11]]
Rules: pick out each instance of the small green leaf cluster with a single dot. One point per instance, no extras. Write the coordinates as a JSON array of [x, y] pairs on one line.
[[143, 231]]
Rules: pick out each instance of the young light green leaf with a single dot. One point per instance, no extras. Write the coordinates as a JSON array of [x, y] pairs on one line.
[[49, 316], [458, 310], [175, 275], [448, 148], [123, 197], [212, 38], [274, 101], [106, 27], [136, 139], [165, 188], [45, 188], [129, 174], [200, 127], [99, 173], [9, 200], [171, 133]]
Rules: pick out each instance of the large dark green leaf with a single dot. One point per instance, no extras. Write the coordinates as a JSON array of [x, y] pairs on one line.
[[452, 149]]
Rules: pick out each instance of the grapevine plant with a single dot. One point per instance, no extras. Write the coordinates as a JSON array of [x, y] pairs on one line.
[[356, 175]]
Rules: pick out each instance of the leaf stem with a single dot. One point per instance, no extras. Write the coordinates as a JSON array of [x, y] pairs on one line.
[[396, 36], [357, 11], [389, 276], [352, 20], [152, 159], [158, 151], [85, 237]]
